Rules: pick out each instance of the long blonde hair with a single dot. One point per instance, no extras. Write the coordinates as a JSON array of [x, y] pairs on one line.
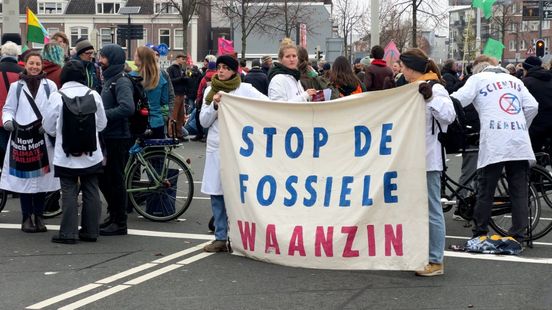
[[148, 68]]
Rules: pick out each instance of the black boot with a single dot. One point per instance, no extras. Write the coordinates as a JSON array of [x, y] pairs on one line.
[[39, 223], [28, 226]]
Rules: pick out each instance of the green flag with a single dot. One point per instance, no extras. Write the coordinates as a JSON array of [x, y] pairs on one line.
[[485, 5], [493, 48]]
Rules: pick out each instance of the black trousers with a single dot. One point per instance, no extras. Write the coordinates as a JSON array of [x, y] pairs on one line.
[[518, 178], [112, 181]]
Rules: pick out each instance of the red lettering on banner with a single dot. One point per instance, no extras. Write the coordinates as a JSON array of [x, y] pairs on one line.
[[323, 241], [296, 243], [271, 244], [371, 240], [247, 235], [351, 233], [393, 239]]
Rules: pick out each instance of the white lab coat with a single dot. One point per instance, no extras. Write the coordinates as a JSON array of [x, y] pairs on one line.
[[284, 87], [53, 124], [439, 109], [506, 110], [208, 117], [23, 114]]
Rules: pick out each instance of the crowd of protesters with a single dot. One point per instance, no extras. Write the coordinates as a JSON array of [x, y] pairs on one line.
[[37, 83]]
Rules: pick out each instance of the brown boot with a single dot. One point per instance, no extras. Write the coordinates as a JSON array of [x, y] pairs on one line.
[[39, 223], [216, 246], [28, 226]]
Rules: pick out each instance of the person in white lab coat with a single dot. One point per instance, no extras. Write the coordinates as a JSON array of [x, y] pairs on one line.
[[506, 109], [31, 183], [226, 80], [416, 66]]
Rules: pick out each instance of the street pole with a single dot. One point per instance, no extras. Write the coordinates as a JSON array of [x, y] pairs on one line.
[[128, 39], [375, 26], [478, 33], [541, 17]]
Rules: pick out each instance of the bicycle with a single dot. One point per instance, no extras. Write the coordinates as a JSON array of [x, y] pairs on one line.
[[540, 192], [158, 182]]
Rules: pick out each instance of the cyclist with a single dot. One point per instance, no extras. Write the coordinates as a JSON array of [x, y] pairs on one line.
[[506, 110]]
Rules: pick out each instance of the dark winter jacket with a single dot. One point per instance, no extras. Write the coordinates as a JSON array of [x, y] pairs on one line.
[[539, 83], [53, 72], [178, 78], [378, 76], [195, 77], [92, 74], [12, 69], [452, 82], [120, 107], [258, 79]]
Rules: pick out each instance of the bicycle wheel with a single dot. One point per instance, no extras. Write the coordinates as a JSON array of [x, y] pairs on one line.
[[52, 206], [162, 189], [3, 199], [501, 219], [541, 179]]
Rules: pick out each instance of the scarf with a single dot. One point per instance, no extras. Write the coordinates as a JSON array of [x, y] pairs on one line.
[[428, 77], [225, 86], [32, 81], [278, 68]]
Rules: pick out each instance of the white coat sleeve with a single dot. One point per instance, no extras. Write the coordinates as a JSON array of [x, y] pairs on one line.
[[10, 107], [278, 90], [208, 114], [467, 93], [530, 105], [101, 119], [51, 114], [441, 105]]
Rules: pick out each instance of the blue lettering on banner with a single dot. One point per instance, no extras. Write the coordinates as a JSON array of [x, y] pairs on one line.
[[269, 132], [294, 131], [320, 139], [366, 200], [388, 187], [310, 189], [362, 131], [344, 201], [385, 138], [246, 131], [328, 194], [288, 202], [243, 188], [267, 179]]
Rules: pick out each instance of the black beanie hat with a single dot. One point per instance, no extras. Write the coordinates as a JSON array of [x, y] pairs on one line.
[[73, 71], [532, 62], [229, 61], [14, 37]]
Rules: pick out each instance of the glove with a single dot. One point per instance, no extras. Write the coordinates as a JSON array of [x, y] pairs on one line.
[[9, 126], [425, 90]]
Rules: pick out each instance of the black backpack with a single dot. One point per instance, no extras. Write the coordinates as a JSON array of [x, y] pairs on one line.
[[79, 124], [139, 121], [455, 139]]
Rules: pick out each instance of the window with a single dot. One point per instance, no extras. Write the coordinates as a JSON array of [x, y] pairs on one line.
[[534, 26], [107, 7], [523, 46], [178, 40], [546, 25], [512, 45], [78, 32], [50, 7], [165, 36], [164, 7], [107, 35]]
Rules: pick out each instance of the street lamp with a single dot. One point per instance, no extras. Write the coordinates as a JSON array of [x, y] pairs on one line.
[[112, 36], [129, 10]]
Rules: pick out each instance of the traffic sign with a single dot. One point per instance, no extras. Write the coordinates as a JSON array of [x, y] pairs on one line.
[[163, 49]]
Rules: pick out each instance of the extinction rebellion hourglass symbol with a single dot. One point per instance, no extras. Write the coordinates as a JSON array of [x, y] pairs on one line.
[[510, 104]]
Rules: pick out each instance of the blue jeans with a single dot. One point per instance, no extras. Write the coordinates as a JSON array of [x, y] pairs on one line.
[[436, 218], [221, 219]]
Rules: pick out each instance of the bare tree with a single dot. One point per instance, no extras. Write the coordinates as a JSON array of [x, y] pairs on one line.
[[395, 28], [287, 15], [347, 13], [503, 20], [249, 14], [186, 9]]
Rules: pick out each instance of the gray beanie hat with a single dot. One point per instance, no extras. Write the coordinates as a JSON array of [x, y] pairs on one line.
[[83, 46]]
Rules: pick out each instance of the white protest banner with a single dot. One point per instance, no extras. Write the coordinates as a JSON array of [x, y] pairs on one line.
[[334, 185]]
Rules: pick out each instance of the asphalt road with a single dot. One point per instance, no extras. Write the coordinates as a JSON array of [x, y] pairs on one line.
[[161, 266]]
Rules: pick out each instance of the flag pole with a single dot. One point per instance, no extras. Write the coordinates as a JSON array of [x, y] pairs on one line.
[[478, 33]]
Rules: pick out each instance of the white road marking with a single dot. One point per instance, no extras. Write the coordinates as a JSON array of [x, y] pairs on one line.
[[95, 297], [126, 273], [153, 233], [504, 258], [179, 254], [153, 274], [194, 258], [64, 296]]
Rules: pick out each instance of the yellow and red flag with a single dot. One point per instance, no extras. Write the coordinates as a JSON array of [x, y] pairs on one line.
[[35, 31]]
